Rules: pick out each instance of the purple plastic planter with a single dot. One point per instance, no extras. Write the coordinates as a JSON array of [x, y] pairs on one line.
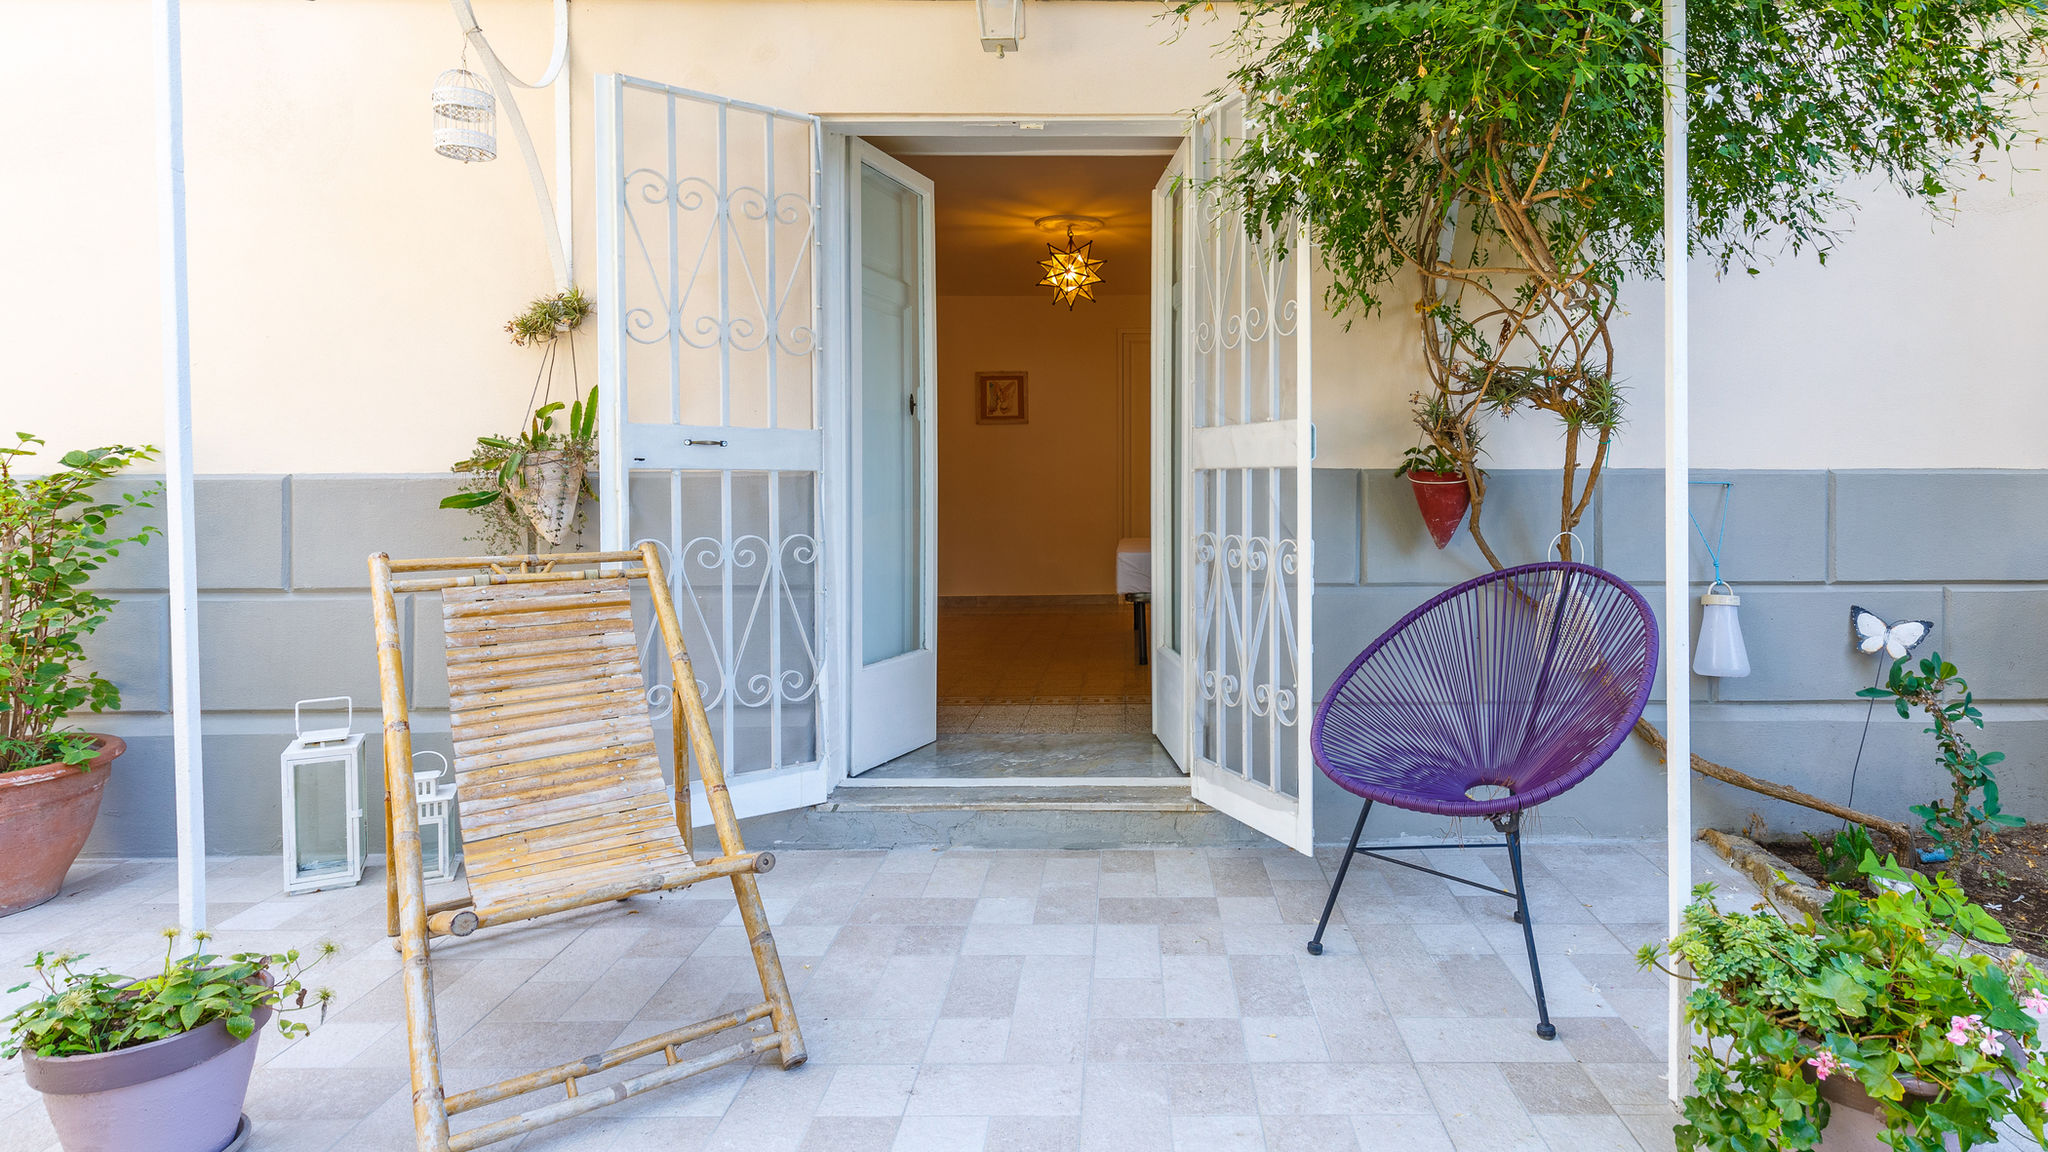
[[183, 1093]]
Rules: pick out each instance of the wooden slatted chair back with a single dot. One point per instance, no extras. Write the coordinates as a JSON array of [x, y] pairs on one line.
[[554, 745], [564, 806]]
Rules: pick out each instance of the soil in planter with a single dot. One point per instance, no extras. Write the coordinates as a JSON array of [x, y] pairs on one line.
[[2020, 904]]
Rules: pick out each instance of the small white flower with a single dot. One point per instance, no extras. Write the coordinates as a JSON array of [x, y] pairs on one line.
[[1309, 158], [1315, 39]]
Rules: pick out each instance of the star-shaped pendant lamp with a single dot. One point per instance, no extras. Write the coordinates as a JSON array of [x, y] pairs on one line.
[[1069, 271]]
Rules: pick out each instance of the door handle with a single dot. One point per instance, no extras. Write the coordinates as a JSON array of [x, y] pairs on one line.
[[708, 443]]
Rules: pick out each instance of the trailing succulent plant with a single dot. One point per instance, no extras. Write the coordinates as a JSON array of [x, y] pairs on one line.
[[501, 476]]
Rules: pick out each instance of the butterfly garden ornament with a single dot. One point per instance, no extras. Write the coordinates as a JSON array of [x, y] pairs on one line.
[[1871, 633]]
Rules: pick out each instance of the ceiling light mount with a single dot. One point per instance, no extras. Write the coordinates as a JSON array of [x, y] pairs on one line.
[[1068, 222]]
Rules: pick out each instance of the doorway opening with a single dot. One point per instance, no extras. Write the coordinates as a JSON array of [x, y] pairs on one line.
[[1044, 482]]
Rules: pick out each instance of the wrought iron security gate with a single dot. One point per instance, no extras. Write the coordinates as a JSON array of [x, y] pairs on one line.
[[1244, 377], [708, 312]]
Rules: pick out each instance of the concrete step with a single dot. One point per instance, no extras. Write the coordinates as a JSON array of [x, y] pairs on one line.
[[1082, 816]]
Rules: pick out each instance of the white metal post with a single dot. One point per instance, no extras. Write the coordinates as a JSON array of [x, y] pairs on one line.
[[613, 469], [1677, 521], [188, 768]]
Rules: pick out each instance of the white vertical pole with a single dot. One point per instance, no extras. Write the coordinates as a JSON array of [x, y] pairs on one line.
[[187, 769], [613, 469], [565, 169], [1677, 542]]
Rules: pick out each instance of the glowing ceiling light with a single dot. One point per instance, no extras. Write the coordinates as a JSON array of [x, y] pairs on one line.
[[1069, 271]]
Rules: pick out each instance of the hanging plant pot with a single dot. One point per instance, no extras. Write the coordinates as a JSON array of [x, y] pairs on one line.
[[1442, 498], [551, 485]]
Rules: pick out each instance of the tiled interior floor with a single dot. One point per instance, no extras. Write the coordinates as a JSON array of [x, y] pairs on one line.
[[1047, 669], [1137, 1001]]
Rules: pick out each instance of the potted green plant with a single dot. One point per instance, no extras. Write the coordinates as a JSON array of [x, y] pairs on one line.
[[535, 480], [54, 534], [1441, 493], [159, 1063], [1881, 1024]]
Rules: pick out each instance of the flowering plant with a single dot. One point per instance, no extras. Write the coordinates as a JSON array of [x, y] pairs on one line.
[[82, 1013], [1886, 990]]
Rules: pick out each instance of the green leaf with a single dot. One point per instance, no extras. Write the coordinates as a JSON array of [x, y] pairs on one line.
[[472, 499]]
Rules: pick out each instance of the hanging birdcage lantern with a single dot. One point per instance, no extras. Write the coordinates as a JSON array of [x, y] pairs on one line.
[[465, 117]]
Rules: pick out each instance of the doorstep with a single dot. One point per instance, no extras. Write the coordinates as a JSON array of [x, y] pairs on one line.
[[973, 814]]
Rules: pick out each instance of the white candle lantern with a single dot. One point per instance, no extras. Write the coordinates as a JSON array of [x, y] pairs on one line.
[[323, 806], [435, 803]]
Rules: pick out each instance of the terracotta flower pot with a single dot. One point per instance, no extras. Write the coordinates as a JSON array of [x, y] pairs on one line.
[[183, 1093], [553, 486], [1442, 498], [1853, 1120], [46, 812]]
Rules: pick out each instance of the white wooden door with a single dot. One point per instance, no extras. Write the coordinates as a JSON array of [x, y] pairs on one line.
[[711, 429], [1169, 480], [893, 606], [1245, 578]]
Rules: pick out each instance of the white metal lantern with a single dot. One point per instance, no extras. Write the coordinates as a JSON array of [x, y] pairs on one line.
[[1720, 651], [435, 802], [1002, 25], [323, 805], [465, 117]]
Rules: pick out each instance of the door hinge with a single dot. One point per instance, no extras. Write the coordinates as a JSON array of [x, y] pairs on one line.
[[1311, 440], [913, 403]]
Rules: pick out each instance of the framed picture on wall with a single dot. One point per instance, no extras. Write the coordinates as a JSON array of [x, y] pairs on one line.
[[1000, 398]]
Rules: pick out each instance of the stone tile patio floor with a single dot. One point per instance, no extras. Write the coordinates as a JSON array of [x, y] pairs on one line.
[[1132, 1000]]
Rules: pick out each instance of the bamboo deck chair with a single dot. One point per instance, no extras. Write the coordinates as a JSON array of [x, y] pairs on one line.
[[564, 805]]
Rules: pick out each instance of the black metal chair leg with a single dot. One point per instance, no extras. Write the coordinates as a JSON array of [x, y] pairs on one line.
[[1544, 1027], [1315, 944]]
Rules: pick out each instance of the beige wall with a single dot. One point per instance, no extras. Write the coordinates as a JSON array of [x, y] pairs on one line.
[[1031, 509], [340, 269], [1920, 344]]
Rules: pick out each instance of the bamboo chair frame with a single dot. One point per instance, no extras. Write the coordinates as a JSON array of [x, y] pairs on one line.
[[414, 923]]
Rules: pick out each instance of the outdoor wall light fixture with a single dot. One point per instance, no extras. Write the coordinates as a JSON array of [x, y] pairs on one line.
[[1069, 271], [465, 117], [1720, 651], [323, 807], [1001, 23]]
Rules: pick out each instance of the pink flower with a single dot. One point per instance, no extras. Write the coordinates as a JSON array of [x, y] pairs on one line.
[[1824, 1063], [1990, 1045], [1963, 1029], [2035, 1001]]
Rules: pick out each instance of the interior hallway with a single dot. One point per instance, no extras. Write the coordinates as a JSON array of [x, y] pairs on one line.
[[1045, 668]]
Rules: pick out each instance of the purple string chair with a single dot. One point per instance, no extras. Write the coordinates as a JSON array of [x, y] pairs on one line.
[[1491, 698]]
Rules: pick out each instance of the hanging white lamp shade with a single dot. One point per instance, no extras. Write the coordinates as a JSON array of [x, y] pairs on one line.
[[1720, 651], [465, 117]]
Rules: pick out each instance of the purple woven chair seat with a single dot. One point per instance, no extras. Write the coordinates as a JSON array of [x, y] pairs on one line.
[[1495, 695], [1489, 699]]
